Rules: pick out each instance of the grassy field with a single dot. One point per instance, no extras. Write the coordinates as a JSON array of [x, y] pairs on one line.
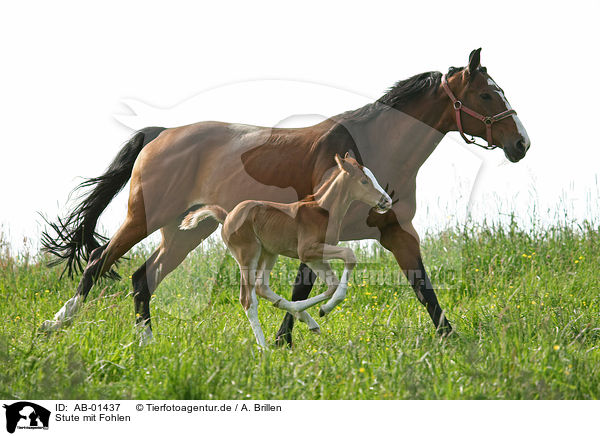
[[525, 305]]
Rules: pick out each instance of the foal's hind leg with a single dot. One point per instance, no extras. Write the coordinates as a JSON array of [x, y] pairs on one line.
[[101, 259], [247, 258], [173, 249]]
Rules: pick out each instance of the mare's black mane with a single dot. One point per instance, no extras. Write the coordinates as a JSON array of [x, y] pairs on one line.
[[398, 95]]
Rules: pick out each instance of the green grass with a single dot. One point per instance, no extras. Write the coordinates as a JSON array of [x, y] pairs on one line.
[[525, 306]]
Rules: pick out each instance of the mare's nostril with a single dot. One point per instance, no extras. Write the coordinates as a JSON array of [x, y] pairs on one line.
[[522, 146]]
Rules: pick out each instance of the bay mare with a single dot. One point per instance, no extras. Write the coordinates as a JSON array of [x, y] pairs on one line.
[[175, 170]]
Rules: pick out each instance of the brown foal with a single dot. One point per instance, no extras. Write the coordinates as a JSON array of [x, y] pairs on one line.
[[256, 232]]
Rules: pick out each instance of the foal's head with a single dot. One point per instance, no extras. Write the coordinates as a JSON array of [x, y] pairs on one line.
[[362, 185]]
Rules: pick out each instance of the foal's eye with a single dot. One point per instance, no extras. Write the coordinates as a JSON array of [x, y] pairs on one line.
[[485, 96], [364, 181]]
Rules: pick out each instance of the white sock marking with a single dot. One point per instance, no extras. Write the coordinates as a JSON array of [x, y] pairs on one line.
[[146, 336], [252, 314], [64, 315], [339, 295], [313, 326]]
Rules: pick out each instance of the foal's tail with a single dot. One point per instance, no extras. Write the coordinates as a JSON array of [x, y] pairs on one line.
[[75, 236], [191, 220]]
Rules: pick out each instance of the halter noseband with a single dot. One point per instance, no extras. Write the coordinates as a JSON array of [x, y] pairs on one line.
[[488, 121]]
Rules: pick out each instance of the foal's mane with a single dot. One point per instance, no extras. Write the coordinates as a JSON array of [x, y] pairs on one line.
[[323, 187], [397, 96]]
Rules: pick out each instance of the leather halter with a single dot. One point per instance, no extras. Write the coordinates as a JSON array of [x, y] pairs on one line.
[[488, 121]]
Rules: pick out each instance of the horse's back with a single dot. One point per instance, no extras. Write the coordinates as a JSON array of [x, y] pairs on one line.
[[220, 163]]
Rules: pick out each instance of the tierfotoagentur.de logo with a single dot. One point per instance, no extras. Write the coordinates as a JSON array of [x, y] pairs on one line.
[[26, 415]]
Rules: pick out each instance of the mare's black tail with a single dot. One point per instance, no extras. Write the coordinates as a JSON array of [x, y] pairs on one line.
[[76, 236]]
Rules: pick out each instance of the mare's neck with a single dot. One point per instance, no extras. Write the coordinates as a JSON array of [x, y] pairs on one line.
[[395, 142]]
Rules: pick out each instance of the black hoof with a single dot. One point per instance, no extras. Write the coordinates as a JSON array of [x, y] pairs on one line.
[[322, 312], [446, 330], [284, 334], [283, 340]]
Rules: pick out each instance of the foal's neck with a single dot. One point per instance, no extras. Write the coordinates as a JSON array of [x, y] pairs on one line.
[[335, 197]]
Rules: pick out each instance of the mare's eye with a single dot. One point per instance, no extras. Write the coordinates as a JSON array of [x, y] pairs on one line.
[[485, 96], [364, 181]]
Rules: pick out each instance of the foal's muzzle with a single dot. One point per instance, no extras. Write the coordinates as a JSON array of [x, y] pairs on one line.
[[384, 204]]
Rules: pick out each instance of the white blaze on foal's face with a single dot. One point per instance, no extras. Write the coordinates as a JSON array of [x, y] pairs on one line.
[[377, 197], [363, 185]]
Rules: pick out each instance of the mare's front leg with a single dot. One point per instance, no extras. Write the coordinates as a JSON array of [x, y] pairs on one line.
[[406, 249]]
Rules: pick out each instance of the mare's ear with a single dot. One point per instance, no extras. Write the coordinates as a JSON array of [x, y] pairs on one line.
[[346, 155], [474, 60], [342, 164]]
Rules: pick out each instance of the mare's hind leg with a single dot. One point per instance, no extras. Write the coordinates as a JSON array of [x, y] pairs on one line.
[[101, 259], [265, 265], [173, 249]]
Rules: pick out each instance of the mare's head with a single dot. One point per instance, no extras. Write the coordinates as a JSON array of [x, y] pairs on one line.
[[362, 184], [475, 91]]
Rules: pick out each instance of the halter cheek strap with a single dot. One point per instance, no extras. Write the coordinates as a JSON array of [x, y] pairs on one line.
[[488, 121]]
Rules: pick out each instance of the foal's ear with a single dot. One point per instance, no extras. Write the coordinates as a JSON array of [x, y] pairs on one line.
[[341, 163], [474, 60], [338, 160]]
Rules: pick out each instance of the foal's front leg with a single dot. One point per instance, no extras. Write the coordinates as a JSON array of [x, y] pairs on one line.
[[316, 256], [265, 265], [338, 296], [296, 308]]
